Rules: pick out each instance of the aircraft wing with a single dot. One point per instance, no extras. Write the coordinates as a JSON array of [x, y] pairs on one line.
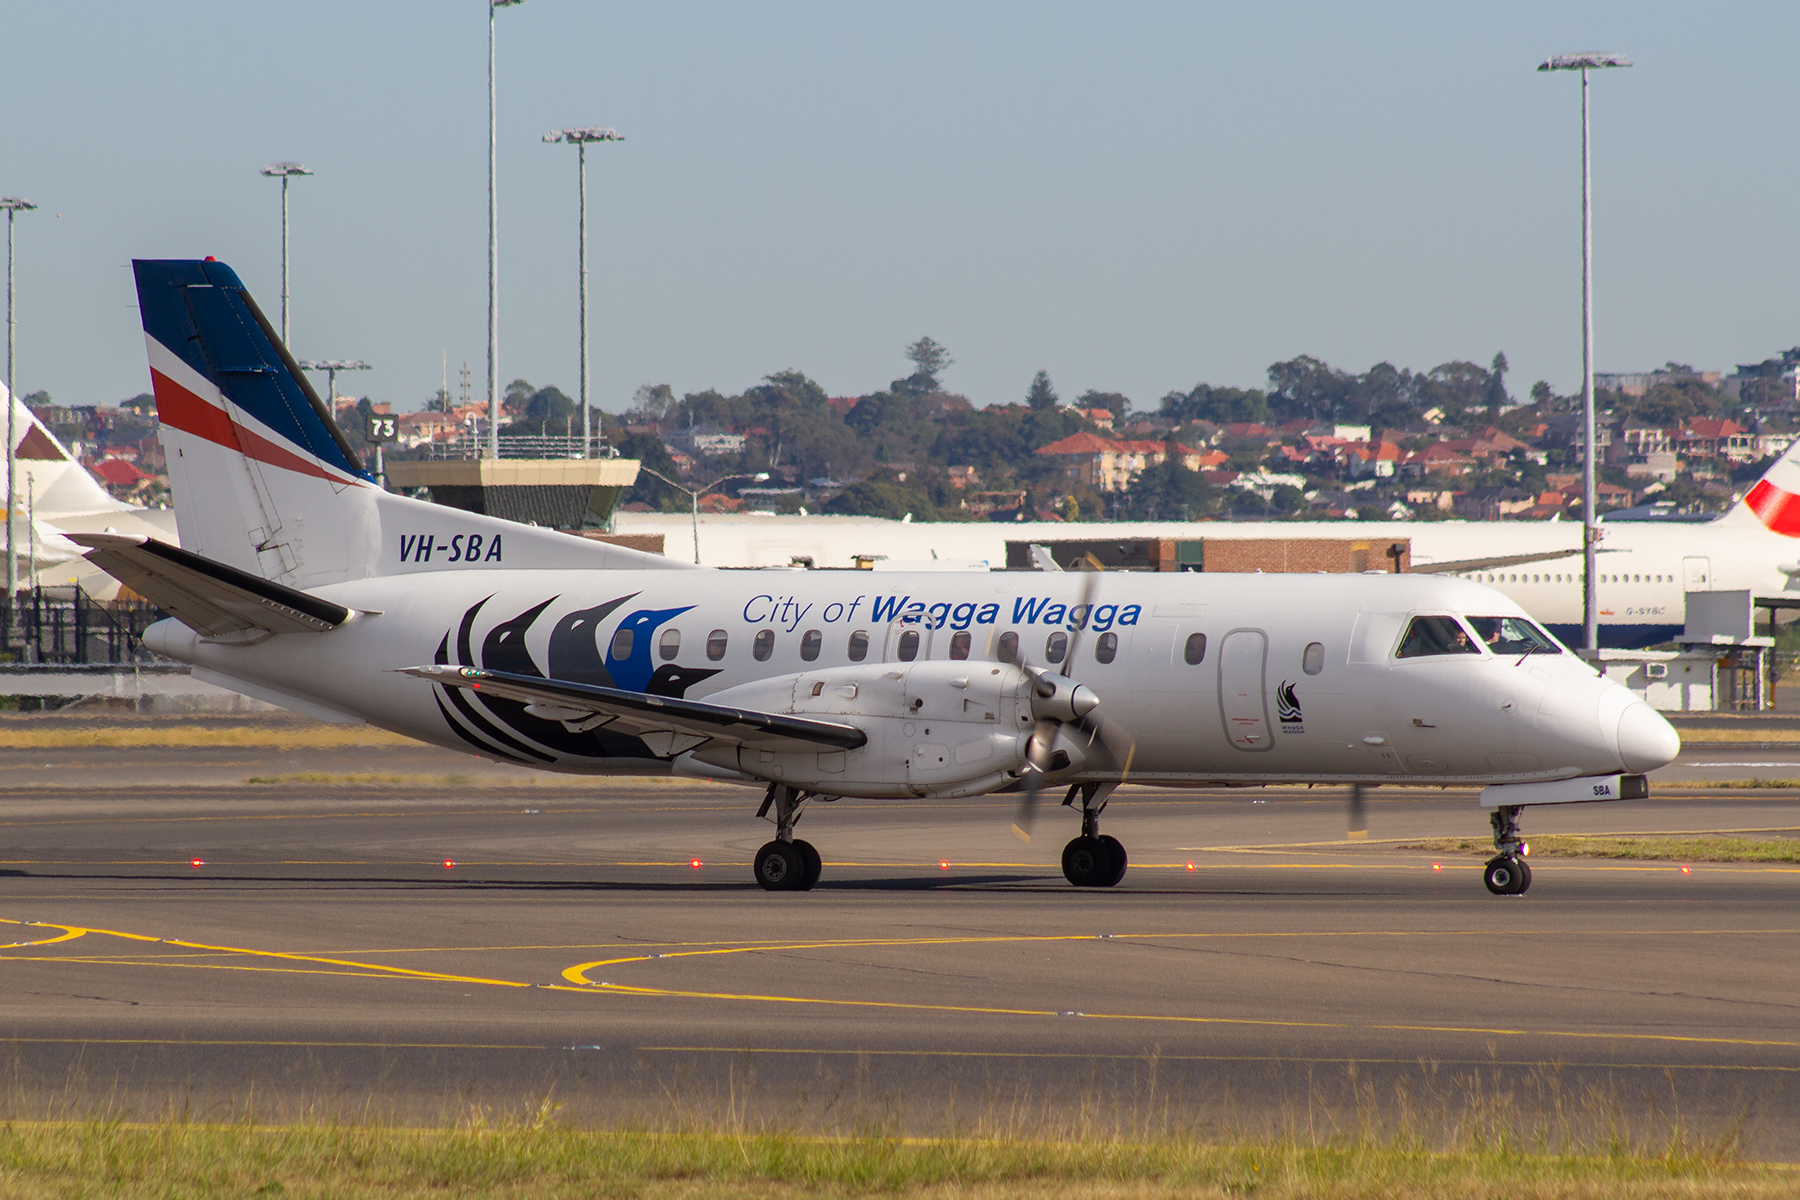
[[1492, 564], [208, 597], [688, 722]]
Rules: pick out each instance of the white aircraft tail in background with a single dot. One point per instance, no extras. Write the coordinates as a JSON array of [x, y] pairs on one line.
[[57, 495]]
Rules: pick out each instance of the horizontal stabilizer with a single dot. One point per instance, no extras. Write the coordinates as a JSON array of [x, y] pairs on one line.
[[208, 597], [691, 721]]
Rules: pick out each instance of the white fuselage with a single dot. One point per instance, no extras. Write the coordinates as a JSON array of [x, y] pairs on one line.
[[1255, 707]]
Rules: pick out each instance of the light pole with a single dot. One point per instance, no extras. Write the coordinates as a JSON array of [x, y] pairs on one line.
[[284, 171], [331, 367], [493, 250], [1590, 532], [14, 205], [695, 496], [580, 139]]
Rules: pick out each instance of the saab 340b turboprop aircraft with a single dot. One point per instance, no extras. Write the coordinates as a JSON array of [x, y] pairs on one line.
[[299, 581]]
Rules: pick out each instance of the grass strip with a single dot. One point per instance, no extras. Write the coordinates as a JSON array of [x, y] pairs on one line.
[[1691, 734], [514, 781], [189, 1160], [376, 779], [1707, 848], [1731, 784], [283, 736]]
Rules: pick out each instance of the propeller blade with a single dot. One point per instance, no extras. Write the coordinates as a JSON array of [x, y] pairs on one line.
[[1079, 703], [1037, 754], [1116, 747], [1090, 588]]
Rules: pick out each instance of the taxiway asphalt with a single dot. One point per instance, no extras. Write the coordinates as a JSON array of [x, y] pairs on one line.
[[432, 951]]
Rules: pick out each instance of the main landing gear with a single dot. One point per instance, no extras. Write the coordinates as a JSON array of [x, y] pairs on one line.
[[1507, 873], [1093, 859], [787, 864]]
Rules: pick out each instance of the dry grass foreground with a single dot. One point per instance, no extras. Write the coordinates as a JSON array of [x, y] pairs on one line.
[[1719, 848], [1692, 734], [55, 1159], [285, 735]]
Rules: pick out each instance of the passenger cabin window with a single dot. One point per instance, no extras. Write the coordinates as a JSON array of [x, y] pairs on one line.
[[909, 645], [1194, 653], [1312, 660], [1428, 636], [715, 645], [621, 643], [669, 645], [1106, 648], [1513, 635], [1055, 646], [959, 645], [763, 645], [1008, 649], [859, 645], [810, 641]]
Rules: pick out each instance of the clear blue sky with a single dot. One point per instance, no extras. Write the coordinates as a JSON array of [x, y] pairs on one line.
[[1132, 196]]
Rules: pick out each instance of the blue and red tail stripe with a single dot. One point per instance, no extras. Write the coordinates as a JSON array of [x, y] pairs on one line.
[[214, 340]]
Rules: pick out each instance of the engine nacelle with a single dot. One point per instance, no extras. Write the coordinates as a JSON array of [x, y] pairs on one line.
[[934, 729]]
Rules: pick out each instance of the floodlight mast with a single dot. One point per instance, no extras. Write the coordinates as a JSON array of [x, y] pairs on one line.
[[493, 249], [1590, 531], [284, 171], [580, 138], [13, 205], [331, 366]]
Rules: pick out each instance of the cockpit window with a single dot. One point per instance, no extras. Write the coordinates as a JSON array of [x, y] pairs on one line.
[[1513, 635], [1435, 635]]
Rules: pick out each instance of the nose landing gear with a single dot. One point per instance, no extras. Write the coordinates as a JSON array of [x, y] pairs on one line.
[[1507, 873], [786, 864], [1093, 859]]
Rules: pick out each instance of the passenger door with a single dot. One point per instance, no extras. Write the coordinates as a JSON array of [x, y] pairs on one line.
[[1243, 696], [1696, 575]]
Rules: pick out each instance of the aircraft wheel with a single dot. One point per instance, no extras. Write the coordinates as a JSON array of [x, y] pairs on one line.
[[1116, 849], [1524, 878], [809, 859], [1506, 876], [779, 867], [1086, 862]]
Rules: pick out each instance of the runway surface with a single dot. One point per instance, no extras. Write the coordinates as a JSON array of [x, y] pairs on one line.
[[433, 951]]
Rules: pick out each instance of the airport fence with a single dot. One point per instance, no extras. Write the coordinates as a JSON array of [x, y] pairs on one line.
[[66, 626], [520, 446]]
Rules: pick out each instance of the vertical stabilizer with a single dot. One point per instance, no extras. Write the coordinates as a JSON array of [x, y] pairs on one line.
[[56, 484], [264, 480], [1775, 500]]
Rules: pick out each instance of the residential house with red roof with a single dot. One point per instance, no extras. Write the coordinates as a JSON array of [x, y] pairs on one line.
[[1715, 437], [1439, 458], [1379, 460]]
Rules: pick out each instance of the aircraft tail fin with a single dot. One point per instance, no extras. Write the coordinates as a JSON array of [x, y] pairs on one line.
[[266, 482], [48, 474], [1774, 502]]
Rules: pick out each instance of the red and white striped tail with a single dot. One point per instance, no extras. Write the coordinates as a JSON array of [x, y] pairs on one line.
[[1775, 500]]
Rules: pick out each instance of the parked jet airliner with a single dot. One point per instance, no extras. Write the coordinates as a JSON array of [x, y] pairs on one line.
[[1644, 567], [299, 581]]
